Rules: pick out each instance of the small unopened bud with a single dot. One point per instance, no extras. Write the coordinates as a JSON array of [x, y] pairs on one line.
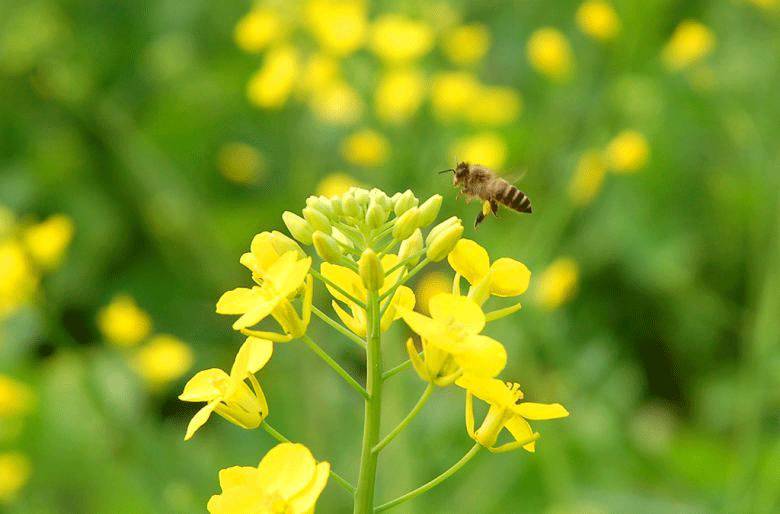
[[342, 238], [375, 215], [362, 196], [382, 199], [429, 210], [317, 219], [405, 224], [327, 247], [350, 206], [299, 228], [320, 203], [411, 246], [441, 226], [444, 242], [283, 244], [406, 201], [335, 204], [371, 271]]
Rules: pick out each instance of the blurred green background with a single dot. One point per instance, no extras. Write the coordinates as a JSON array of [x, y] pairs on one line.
[[163, 135]]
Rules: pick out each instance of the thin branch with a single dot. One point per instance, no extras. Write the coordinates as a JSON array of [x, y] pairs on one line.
[[322, 354], [338, 288], [338, 327], [409, 417]]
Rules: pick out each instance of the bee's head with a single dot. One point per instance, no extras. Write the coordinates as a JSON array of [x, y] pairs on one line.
[[461, 171]]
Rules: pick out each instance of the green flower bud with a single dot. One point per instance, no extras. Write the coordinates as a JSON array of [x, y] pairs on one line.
[[320, 203], [410, 246], [342, 238], [299, 228], [394, 199], [441, 226], [405, 202], [375, 215], [444, 242], [317, 219], [350, 206], [327, 247], [362, 196], [429, 210], [405, 224], [382, 199], [371, 271], [335, 204]]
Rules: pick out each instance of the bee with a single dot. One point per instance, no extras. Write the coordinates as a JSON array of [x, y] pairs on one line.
[[477, 181]]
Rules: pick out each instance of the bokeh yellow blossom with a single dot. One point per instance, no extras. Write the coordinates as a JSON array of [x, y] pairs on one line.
[[272, 84], [769, 5], [15, 471], [598, 19], [466, 44], [47, 241], [429, 286], [690, 42], [123, 323], [365, 148], [549, 53], [16, 398], [398, 39], [487, 148], [588, 178], [18, 279], [558, 283], [258, 28], [337, 103], [240, 163], [335, 184], [339, 26], [494, 105], [319, 71], [627, 152], [163, 359], [399, 94], [452, 92]]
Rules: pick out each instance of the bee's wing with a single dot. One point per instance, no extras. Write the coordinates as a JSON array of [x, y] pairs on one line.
[[515, 177]]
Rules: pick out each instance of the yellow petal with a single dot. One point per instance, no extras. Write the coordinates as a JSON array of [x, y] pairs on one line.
[[237, 301], [491, 390], [240, 491], [482, 356], [349, 320], [403, 298], [509, 277], [237, 476], [470, 260], [257, 312], [346, 279], [199, 419], [521, 430], [532, 410], [205, 386], [286, 470], [305, 500], [252, 356], [423, 325], [447, 307], [264, 252], [288, 273]]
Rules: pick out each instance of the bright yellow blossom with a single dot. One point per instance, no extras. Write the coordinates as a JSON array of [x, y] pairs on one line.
[[319, 72], [288, 479], [335, 184], [627, 152], [240, 163], [258, 28], [229, 395], [123, 323], [429, 286], [339, 26], [18, 279], [504, 412], [494, 105], [486, 148], [588, 178], [337, 103], [398, 39], [504, 278], [365, 148], [15, 470], [16, 398], [399, 94], [598, 19], [272, 84], [163, 359], [46, 242], [466, 44], [558, 283], [452, 93], [549, 53], [690, 42]]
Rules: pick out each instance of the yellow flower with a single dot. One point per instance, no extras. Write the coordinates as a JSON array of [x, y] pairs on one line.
[[258, 28], [398, 39], [588, 178], [18, 279], [15, 471], [690, 42], [350, 281], [549, 53], [558, 283], [16, 398], [452, 93], [339, 26], [429, 286], [46, 242], [240, 163], [504, 412], [453, 330], [229, 395], [598, 19], [627, 152], [123, 323], [365, 148], [337, 103], [272, 84], [466, 44], [288, 480], [504, 278], [319, 72], [335, 184], [163, 359], [494, 105], [399, 95], [486, 148]]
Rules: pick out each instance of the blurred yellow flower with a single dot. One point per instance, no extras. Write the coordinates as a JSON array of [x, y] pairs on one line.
[[163, 359], [487, 148], [398, 39], [15, 470], [766, 4], [16, 398], [271, 85], [505, 411], [335, 184], [365, 148], [258, 28], [690, 42], [588, 178], [337, 103], [123, 323], [47, 241], [429, 286], [288, 480], [549, 53], [598, 19], [494, 105], [339, 26], [320, 71], [452, 92], [627, 152], [558, 283], [18, 279], [240, 163], [466, 44], [505, 277], [399, 94], [229, 395]]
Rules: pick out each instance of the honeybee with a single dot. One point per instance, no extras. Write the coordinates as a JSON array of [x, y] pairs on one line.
[[477, 181]]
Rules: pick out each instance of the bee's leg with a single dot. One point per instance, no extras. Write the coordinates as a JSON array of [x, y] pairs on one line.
[[480, 219], [487, 207], [494, 207]]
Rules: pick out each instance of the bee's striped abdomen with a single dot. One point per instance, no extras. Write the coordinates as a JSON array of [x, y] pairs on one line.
[[513, 198]]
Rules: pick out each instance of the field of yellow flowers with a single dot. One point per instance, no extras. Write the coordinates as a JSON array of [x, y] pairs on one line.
[[232, 278]]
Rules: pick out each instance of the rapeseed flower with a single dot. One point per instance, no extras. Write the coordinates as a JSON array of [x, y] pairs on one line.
[[504, 278], [123, 323], [15, 471], [163, 359], [365, 148], [690, 42], [627, 152], [588, 178], [16, 398], [398, 39], [494, 105], [598, 19], [335, 184], [240, 163], [429, 286], [272, 84], [486, 148], [337, 103], [452, 93], [259, 28], [18, 278], [466, 44], [399, 94], [339, 26], [549, 53], [47, 241], [558, 283]]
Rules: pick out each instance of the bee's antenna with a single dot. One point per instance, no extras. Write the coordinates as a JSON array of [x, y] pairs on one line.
[[445, 171]]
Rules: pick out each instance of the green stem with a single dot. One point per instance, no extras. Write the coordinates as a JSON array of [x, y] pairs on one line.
[[401, 280], [364, 496], [338, 478], [396, 369], [338, 288], [405, 261], [409, 417], [338, 327], [322, 354], [433, 483]]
